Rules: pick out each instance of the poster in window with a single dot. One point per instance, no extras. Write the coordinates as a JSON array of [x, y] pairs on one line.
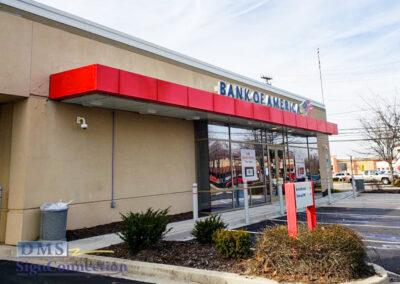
[[300, 170], [249, 164]]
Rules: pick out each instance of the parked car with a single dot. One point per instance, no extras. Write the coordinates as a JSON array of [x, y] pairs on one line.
[[316, 179], [341, 176], [375, 176]]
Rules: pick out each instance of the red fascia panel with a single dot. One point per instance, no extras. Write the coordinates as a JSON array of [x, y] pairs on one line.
[[200, 99], [331, 128], [244, 109], [73, 82], [171, 93], [321, 125], [276, 115], [312, 124], [137, 86], [289, 119], [335, 129], [224, 105], [107, 79], [83, 80], [261, 112], [301, 121]]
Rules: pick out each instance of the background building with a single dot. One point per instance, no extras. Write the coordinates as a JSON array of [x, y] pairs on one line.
[[363, 164]]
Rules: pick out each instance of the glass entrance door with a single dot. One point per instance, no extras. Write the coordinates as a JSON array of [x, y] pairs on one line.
[[276, 169]]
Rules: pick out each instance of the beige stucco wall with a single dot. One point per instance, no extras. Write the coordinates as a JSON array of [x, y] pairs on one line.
[[52, 158], [6, 112], [54, 50], [15, 55]]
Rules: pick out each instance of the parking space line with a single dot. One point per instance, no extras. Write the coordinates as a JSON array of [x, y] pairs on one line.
[[383, 242], [346, 224], [351, 214], [387, 247]]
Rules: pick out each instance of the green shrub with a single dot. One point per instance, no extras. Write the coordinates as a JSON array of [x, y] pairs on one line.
[[204, 229], [396, 182], [232, 244], [328, 254], [143, 230]]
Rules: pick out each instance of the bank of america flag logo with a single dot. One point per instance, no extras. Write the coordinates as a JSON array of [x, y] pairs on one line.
[[306, 108]]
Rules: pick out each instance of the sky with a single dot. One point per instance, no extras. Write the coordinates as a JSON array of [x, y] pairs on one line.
[[359, 44]]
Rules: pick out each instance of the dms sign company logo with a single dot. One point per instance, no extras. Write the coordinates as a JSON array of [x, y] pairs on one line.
[[42, 249], [245, 94]]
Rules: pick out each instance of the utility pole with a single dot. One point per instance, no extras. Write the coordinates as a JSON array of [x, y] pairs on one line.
[[320, 76], [352, 177]]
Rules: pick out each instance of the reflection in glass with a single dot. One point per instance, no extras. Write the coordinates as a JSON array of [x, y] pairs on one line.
[[219, 164], [273, 172], [245, 134], [221, 201], [273, 137], [295, 163], [220, 167], [218, 131], [297, 141], [313, 162], [312, 142]]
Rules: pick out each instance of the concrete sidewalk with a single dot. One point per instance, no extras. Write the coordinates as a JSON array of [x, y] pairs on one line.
[[182, 230]]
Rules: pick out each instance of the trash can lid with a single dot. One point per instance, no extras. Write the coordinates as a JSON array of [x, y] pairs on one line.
[[59, 206]]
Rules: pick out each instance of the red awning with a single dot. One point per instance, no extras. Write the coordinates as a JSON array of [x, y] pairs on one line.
[[101, 86]]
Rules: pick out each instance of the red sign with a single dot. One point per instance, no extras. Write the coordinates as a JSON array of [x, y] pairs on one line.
[[297, 194]]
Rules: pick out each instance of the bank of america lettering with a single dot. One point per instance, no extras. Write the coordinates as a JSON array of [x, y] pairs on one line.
[[245, 94]]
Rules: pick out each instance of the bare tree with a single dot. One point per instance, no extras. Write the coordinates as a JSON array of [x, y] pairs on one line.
[[381, 129]]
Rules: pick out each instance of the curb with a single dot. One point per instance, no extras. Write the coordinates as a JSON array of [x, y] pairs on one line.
[[162, 273]]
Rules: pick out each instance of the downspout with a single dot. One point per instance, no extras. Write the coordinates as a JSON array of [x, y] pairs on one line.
[[112, 159]]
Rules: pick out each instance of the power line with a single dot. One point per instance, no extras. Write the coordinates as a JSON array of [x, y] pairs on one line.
[[364, 139], [346, 112]]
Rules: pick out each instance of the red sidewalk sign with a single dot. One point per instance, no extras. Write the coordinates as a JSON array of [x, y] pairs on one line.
[[300, 195]]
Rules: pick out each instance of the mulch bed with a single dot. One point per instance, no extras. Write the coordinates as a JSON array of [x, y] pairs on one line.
[[115, 227], [189, 254], [195, 255]]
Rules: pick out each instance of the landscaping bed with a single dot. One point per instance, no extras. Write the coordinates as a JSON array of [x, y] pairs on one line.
[[115, 227], [194, 255], [188, 254], [326, 254]]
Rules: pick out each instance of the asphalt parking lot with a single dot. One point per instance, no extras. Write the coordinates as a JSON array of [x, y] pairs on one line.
[[9, 273], [376, 217]]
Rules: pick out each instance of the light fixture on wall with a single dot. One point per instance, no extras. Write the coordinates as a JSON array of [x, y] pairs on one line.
[[148, 111], [82, 122]]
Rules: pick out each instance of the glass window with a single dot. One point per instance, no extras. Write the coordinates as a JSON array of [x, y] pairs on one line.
[[256, 187], [312, 163], [312, 141], [296, 168], [219, 176], [297, 141], [218, 131], [219, 164], [273, 137], [245, 134]]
